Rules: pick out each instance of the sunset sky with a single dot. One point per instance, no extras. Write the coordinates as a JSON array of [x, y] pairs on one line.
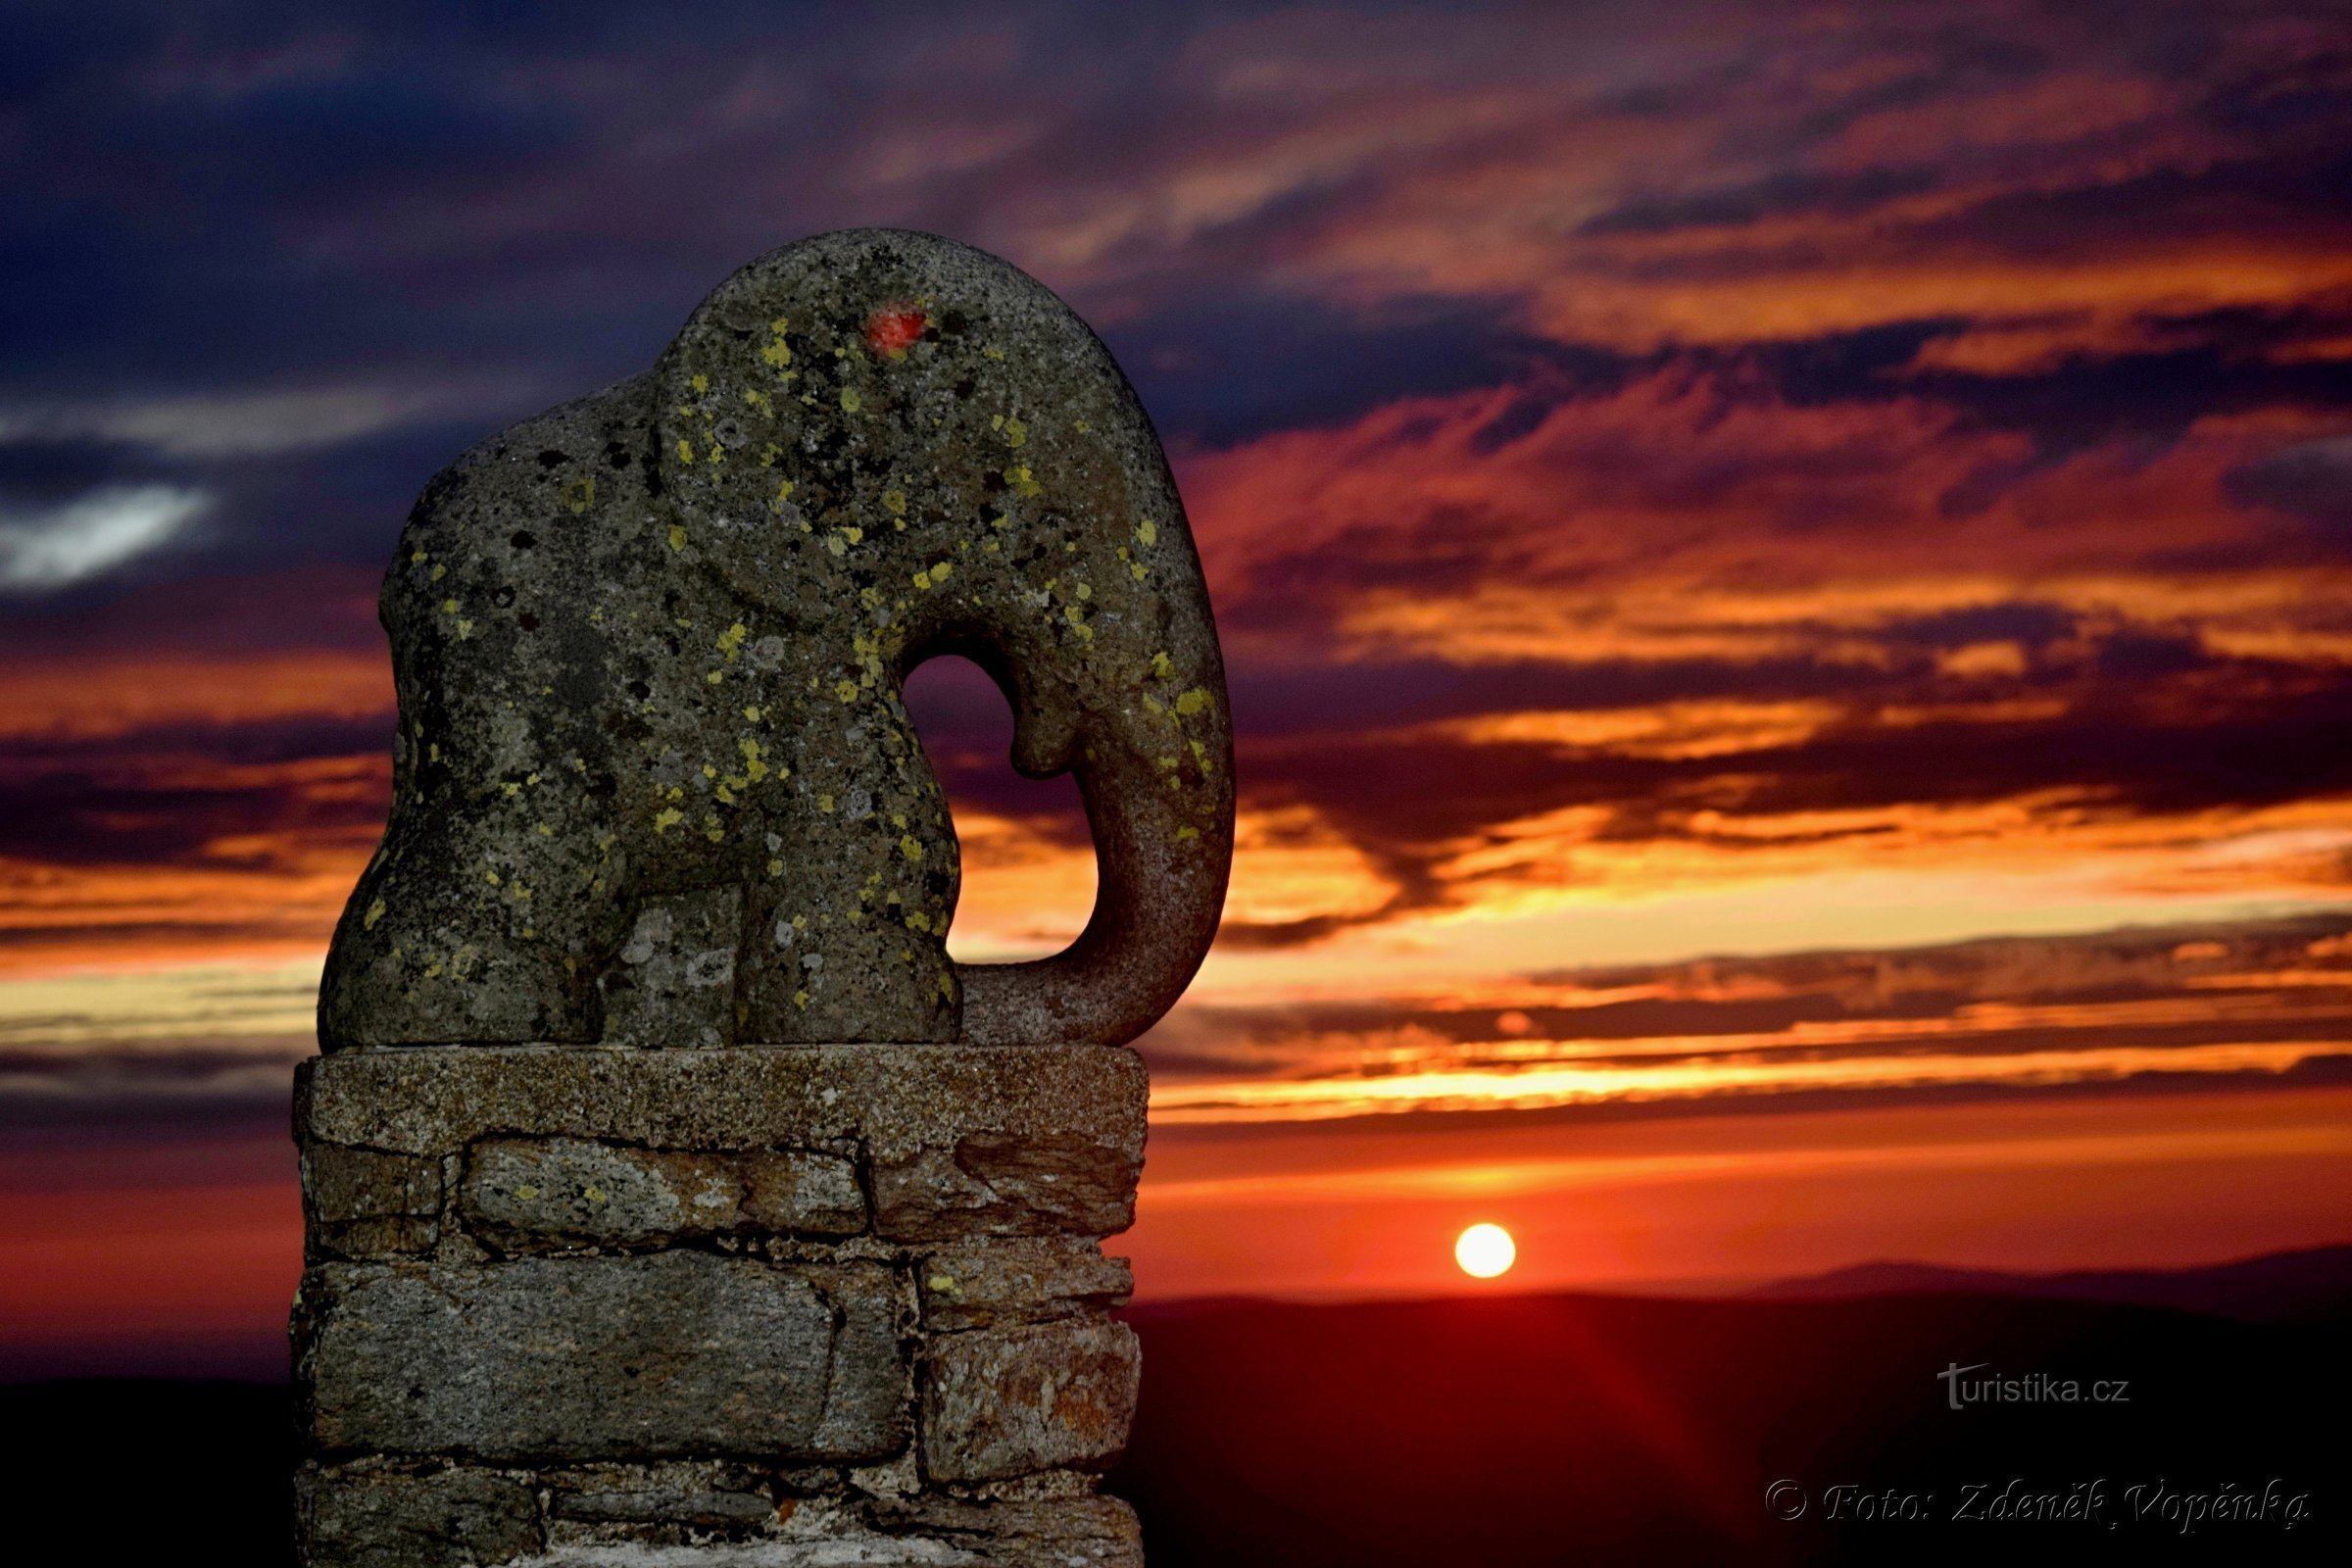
[[1786, 575]]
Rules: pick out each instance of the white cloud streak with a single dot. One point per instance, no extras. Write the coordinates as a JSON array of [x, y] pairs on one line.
[[250, 423], [55, 546]]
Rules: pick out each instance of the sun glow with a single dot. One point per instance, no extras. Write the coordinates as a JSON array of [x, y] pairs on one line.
[[1485, 1250]]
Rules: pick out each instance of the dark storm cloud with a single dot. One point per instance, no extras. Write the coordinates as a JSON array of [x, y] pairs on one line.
[[173, 810]]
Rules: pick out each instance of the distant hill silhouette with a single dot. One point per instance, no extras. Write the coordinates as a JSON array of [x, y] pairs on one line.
[[1522, 1432], [2311, 1286]]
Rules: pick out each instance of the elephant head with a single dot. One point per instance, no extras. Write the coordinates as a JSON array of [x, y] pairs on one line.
[[655, 781]]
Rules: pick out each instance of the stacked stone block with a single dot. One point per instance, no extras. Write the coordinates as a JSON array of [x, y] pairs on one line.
[[750, 1306]]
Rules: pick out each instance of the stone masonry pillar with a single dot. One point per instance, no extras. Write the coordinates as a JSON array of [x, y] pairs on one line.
[[564, 1299]]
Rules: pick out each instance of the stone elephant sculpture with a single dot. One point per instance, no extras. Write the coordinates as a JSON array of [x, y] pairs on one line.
[[654, 781]]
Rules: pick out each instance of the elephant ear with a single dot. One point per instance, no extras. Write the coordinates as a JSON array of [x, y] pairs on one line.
[[899, 446]]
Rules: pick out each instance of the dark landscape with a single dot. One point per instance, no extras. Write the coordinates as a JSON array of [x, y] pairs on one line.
[[1589, 1428]]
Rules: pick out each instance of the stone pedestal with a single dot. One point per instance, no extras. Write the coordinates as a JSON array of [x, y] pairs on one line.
[[749, 1306]]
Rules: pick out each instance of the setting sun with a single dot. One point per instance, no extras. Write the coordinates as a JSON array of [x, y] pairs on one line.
[[1485, 1250]]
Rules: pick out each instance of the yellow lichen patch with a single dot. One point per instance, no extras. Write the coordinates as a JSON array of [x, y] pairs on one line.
[[777, 354], [701, 382], [375, 913], [1194, 701], [668, 817], [782, 494], [894, 502], [1136, 571], [911, 847], [1146, 532], [775, 867], [799, 999], [685, 450], [845, 690], [677, 536], [1161, 667], [715, 677], [449, 606], [1022, 483], [835, 546], [465, 630], [752, 765], [947, 987], [730, 641], [543, 830], [851, 402], [493, 876], [1015, 432], [918, 922], [439, 572], [1085, 592], [1187, 834]]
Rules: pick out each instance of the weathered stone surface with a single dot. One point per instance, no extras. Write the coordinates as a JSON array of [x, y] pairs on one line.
[[520, 1193], [1005, 1402], [650, 645], [360, 1203], [667, 1355], [901, 1102], [1001, 1184], [364, 1516], [703, 1507], [801, 1194], [839, 1547], [705, 1494], [1064, 1533], [986, 1283], [674, 983]]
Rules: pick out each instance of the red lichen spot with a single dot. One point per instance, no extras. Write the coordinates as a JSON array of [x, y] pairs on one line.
[[894, 328]]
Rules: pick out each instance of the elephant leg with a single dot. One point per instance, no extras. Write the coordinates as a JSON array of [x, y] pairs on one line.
[[458, 932]]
